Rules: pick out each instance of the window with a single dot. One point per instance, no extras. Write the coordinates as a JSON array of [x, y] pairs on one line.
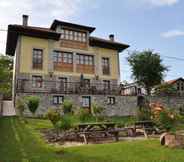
[[37, 81], [58, 100], [37, 58], [86, 101], [105, 66], [106, 84], [85, 59], [60, 57], [74, 35], [182, 86], [111, 100], [178, 86]]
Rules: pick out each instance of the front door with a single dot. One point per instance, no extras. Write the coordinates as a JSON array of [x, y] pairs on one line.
[[63, 84]]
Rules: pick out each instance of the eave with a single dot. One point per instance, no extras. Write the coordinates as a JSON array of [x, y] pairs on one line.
[[15, 30]]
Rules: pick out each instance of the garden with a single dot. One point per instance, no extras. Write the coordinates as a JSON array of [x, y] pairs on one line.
[[83, 126], [52, 137]]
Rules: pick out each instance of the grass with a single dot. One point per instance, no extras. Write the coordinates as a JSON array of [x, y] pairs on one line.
[[20, 142]]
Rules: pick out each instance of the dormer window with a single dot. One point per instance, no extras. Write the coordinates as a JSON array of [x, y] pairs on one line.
[[74, 35]]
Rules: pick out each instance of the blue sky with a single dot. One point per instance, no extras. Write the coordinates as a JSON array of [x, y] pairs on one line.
[[144, 24]]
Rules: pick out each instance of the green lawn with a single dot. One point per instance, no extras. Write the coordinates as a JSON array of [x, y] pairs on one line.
[[21, 142]]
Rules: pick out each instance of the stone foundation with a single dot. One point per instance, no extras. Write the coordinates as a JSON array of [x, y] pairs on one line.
[[124, 105]]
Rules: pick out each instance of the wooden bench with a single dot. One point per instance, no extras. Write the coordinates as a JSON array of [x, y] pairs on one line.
[[146, 127], [98, 134]]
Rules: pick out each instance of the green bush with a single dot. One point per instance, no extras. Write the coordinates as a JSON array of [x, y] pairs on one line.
[[53, 115], [144, 113], [33, 103], [21, 106], [65, 123], [167, 120], [67, 106], [84, 115], [97, 112], [165, 89]]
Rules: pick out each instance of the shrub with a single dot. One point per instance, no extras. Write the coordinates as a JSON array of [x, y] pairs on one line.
[[84, 115], [53, 115], [21, 106], [144, 113], [97, 111], [65, 123], [165, 89], [32, 103], [167, 120], [67, 106]]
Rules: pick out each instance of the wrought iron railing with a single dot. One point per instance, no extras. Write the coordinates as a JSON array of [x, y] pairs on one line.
[[49, 86]]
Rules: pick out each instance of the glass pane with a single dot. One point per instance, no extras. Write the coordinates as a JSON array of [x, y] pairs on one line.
[[55, 101], [60, 99]]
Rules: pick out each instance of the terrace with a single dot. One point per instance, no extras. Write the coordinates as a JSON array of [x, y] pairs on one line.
[[60, 87]]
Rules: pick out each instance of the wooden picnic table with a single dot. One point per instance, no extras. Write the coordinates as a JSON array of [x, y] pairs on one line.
[[104, 129], [147, 126], [96, 126]]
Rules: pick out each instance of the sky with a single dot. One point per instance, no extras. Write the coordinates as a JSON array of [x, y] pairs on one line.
[[143, 24]]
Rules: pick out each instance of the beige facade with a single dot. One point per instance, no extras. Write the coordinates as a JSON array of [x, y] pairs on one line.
[[48, 46]]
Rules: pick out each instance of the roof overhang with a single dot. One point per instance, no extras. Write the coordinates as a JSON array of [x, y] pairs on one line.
[[15, 30], [71, 25], [94, 41]]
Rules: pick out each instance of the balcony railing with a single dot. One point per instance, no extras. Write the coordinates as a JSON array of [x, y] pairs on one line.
[[45, 86]]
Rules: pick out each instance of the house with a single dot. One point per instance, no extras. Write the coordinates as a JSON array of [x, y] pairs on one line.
[[178, 84], [64, 62], [132, 89]]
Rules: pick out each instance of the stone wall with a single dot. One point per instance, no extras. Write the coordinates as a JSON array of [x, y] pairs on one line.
[[124, 105], [169, 101]]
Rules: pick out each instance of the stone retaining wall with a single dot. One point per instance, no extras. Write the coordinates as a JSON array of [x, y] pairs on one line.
[[124, 105], [169, 101]]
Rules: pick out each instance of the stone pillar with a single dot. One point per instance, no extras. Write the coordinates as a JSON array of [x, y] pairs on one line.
[[74, 62], [50, 56]]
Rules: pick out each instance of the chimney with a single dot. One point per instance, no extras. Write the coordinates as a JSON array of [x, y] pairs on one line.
[[111, 37], [25, 20]]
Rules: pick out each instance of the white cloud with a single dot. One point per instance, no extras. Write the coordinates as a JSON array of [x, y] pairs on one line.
[[158, 3], [41, 12], [163, 2], [172, 33]]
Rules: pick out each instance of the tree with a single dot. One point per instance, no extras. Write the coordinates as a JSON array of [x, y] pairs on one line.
[[165, 89], [6, 71], [147, 68]]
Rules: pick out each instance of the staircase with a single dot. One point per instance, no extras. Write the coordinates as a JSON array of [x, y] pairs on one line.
[[8, 108]]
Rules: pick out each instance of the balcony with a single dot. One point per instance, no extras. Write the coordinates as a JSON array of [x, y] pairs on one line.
[[86, 69], [47, 86]]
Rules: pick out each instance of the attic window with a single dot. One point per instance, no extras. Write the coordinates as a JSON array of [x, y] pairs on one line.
[[73, 35]]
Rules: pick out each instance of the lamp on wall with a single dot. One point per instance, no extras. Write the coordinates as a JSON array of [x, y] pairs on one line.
[[51, 74], [97, 77]]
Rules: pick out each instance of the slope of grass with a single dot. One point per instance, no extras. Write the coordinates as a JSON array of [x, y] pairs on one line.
[[21, 142]]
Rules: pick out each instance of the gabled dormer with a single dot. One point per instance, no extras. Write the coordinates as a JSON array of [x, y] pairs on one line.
[[72, 35]]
